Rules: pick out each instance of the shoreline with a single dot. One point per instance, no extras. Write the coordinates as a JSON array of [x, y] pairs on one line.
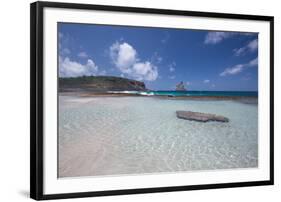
[[243, 99]]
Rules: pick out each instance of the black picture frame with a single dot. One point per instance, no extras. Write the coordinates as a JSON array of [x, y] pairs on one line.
[[36, 98]]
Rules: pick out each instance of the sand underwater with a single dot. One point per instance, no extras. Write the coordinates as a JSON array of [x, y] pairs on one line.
[[114, 135]]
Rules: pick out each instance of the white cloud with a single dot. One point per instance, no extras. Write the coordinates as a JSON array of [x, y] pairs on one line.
[[253, 45], [206, 81], [217, 37], [253, 62], [65, 41], [69, 68], [239, 51], [156, 58], [172, 77], [159, 59], [172, 67], [83, 55], [250, 47], [124, 57], [239, 68], [145, 71], [233, 70]]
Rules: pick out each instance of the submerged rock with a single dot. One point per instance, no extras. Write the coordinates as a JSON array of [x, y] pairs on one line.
[[201, 117]]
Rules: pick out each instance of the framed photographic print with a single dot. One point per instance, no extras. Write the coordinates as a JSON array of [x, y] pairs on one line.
[[135, 100]]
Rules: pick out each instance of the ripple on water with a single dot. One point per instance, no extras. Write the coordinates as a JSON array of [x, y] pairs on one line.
[[131, 135]]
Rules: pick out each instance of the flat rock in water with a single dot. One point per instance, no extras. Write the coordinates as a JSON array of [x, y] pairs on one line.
[[201, 117]]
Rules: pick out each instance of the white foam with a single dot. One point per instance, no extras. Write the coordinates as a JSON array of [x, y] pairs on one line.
[[132, 92]]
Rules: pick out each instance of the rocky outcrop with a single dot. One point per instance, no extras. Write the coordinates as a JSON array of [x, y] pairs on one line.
[[201, 117], [99, 84], [180, 87]]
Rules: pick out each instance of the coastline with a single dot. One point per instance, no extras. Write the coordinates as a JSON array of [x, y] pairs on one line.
[[242, 99]]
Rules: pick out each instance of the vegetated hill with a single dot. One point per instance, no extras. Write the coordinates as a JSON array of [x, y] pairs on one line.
[[99, 84]]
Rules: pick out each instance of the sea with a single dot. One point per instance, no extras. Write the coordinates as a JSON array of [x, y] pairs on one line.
[[193, 93], [129, 135]]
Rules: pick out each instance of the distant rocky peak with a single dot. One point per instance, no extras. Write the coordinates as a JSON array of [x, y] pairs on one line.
[[180, 87]]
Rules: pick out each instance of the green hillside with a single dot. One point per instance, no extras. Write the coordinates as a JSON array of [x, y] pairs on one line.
[[99, 84]]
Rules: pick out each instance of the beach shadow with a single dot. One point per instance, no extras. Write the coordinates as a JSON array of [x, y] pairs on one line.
[[24, 193]]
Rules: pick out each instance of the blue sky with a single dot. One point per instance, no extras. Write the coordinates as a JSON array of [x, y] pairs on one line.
[[161, 57]]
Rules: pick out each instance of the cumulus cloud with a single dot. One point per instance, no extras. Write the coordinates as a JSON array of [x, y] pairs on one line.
[[250, 47], [82, 54], [217, 37], [69, 68], [145, 71], [239, 68], [206, 81], [72, 68], [125, 58]]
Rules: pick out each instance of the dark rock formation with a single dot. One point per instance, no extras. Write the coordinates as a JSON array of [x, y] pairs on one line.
[[99, 84], [180, 87], [201, 117]]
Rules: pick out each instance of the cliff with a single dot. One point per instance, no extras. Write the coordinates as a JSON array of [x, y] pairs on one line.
[[99, 84], [180, 87]]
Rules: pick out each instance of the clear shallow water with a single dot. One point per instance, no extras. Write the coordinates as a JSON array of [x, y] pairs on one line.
[[134, 135], [193, 93]]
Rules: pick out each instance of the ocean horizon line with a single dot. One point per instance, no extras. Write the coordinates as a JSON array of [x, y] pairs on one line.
[[174, 93], [206, 90]]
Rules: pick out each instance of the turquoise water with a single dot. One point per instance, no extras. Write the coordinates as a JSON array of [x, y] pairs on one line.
[[207, 93], [193, 93], [136, 135]]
